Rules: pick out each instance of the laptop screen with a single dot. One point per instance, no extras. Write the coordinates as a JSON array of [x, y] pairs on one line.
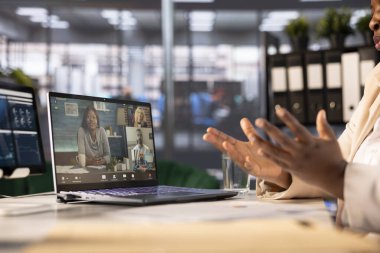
[[20, 140], [101, 143]]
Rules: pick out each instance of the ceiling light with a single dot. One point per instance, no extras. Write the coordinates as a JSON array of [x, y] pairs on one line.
[[320, 0], [109, 13], [122, 20], [193, 1], [201, 28], [202, 21], [31, 11], [283, 14], [130, 22], [271, 28], [202, 15], [41, 19], [115, 13], [57, 25], [275, 21], [38, 19], [280, 22]]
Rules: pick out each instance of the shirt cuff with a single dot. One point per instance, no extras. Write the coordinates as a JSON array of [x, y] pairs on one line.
[[297, 189]]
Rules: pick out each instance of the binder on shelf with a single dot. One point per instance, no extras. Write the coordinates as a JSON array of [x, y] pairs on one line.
[[333, 79], [296, 86], [314, 84], [351, 83], [278, 85], [367, 63]]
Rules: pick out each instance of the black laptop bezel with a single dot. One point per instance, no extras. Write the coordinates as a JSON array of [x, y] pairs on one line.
[[34, 169], [100, 185]]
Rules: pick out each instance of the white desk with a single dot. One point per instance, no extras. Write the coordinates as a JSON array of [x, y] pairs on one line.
[[17, 232]]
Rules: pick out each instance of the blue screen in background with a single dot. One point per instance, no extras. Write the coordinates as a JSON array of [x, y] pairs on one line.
[[7, 154], [27, 149], [4, 119], [22, 115], [19, 140]]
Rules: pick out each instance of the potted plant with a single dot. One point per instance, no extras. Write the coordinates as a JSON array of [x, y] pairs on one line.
[[298, 32], [363, 28], [335, 26]]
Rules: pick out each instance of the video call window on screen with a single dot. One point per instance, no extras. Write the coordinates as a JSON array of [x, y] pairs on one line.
[[96, 141], [19, 140]]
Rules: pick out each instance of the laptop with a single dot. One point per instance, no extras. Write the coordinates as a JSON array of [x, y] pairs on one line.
[[103, 151]]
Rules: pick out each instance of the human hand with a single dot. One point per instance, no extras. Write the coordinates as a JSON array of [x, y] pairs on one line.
[[142, 168], [316, 160], [95, 161], [244, 153]]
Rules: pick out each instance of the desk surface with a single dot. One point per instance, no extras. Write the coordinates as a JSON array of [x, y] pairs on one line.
[[25, 230]]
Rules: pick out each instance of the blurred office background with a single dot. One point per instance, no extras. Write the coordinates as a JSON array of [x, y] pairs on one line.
[[116, 48]]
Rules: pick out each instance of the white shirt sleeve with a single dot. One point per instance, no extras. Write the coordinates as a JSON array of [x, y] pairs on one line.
[[81, 148], [106, 145], [361, 209]]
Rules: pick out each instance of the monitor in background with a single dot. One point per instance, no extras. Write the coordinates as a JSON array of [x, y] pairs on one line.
[[21, 150]]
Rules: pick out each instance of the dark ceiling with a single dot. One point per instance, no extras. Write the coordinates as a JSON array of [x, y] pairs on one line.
[[216, 5], [231, 16]]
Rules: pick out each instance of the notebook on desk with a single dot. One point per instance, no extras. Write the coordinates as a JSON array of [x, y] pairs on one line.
[[103, 151]]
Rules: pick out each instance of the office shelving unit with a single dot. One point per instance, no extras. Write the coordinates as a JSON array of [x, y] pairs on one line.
[[305, 82]]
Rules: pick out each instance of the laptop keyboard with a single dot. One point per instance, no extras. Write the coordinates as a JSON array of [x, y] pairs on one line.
[[125, 192]]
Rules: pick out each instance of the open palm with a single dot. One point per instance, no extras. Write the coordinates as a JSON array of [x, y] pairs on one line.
[[244, 153]]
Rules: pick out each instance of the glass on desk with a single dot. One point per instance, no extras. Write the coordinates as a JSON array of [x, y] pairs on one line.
[[234, 178]]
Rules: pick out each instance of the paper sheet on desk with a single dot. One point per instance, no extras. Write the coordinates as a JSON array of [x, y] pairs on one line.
[[70, 170], [97, 167], [205, 237]]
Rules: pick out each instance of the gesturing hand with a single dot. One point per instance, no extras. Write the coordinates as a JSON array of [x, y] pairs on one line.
[[95, 161], [317, 160], [244, 153]]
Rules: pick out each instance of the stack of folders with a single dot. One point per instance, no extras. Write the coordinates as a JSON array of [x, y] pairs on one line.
[[297, 91], [306, 82], [333, 79], [278, 84]]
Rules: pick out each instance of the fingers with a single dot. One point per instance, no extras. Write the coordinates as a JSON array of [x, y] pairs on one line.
[[234, 153], [248, 129], [277, 135], [216, 138], [213, 141], [220, 135], [252, 166], [299, 131], [324, 129], [270, 151], [277, 156]]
